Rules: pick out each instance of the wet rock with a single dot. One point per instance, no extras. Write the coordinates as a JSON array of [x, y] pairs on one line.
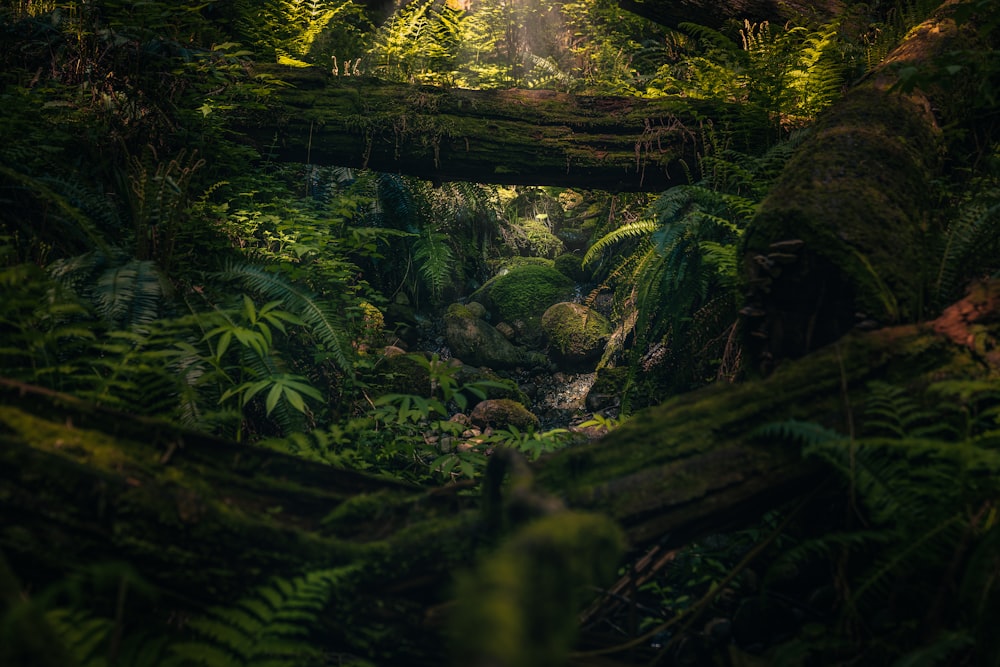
[[460, 418], [571, 265]]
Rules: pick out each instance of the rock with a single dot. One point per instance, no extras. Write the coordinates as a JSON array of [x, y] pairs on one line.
[[400, 374], [460, 418], [506, 330], [576, 333], [571, 266], [501, 413], [476, 342], [477, 309], [524, 292]]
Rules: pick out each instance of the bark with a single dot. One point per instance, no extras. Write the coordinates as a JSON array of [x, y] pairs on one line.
[[845, 237], [717, 14], [498, 136], [204, 518]]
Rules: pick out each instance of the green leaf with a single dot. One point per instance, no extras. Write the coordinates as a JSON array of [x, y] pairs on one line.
[[272, 398], [294, 398]]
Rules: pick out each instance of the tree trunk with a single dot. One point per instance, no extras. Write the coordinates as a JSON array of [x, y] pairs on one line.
[[530, 137], [845, 236], [716, 14], [204, 518]]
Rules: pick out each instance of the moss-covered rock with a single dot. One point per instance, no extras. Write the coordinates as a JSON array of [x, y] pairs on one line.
[[501, 413], [576, 334], [521, 605], [399, 374], [477, 309], [540, 239], [476, 342], [524, 292], [571, 266]]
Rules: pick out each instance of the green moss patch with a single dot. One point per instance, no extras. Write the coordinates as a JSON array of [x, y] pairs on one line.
[[525, 292]]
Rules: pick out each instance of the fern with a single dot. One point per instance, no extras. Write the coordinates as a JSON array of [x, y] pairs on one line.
[[804, 433], [325, 325], [268, 628], [890, 411], [159, 196], [971, 239], [918, 496], [61, 225], [309, 18], [126, 293], [419, 42], [435, 261]]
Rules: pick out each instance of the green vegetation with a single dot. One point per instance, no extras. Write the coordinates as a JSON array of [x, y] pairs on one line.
[[156, 266]]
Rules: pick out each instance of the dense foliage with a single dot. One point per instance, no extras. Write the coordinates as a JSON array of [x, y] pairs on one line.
[[151, 262]]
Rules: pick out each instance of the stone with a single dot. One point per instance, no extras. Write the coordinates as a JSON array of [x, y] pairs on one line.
[[576, 334], [502, 413], [476, 342]]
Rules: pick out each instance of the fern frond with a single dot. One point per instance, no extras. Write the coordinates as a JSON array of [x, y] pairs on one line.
[[73, 232], [435, 261], [890, 410], [327, 326], [637, 229], [973, 233], [84, 635], [269, 627], [804, 433]]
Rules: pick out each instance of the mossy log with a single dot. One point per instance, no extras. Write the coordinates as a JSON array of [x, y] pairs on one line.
[[715, 14], [527, 137], [204, 518], [844, 237]]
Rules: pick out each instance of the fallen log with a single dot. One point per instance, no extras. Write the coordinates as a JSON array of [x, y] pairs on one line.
[[846, 235], [527, 137], [716, 14], [203, 519]]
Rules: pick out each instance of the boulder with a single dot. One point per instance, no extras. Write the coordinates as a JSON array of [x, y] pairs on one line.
[[571, 266], [576, 334], [524, 292], [477, 309], [502, 413], [476, 342]]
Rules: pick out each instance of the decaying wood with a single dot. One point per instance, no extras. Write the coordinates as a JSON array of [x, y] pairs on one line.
[[716, 14], [81, 484], [489, 136], [844, 237]]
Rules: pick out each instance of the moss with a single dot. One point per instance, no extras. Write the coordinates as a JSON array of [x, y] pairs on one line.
[[692, 447], [541, 241], [502, 413], [525, 292], [400, 374], [575, 333], [857, 193], [520, 605], [461, 311], [571, 266]]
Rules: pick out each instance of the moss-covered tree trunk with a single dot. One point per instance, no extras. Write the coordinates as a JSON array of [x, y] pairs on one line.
[[845, 236], [496, 136], [205, 519], [715, 14]]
